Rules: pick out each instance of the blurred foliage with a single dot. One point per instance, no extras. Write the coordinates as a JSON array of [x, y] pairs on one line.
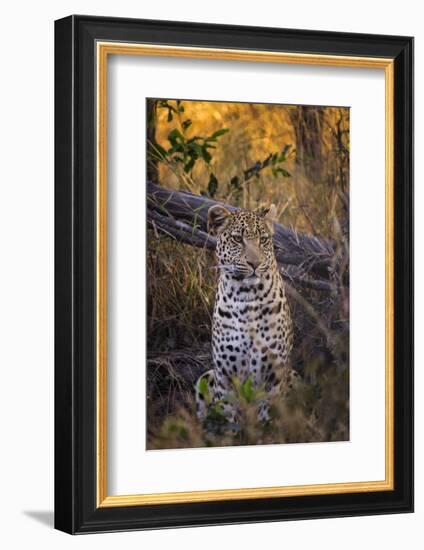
[[184, 150], [315, 412], [248, 155], [294, 156]]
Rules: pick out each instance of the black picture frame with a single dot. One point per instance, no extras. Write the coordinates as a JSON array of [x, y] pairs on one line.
[[76, 510]]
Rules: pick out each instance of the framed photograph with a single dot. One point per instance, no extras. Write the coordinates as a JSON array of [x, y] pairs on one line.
[[234, 274]]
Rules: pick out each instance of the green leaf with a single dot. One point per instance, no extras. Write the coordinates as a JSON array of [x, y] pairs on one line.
[[206, 156], [187, 123], [218, 134], [176, 148], [175, 136], [212, 185], [189, 165], [204, 388], [247, 390], [284, 172], [170, 116], [195, 147]]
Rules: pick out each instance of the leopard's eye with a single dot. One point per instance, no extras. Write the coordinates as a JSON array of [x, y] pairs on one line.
[[237, 238], [264, 239]]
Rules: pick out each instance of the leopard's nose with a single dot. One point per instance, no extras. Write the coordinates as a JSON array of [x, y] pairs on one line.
[[252, 264]]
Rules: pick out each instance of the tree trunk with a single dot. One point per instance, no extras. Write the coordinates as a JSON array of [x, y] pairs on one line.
[[307, 123], [152, 161]]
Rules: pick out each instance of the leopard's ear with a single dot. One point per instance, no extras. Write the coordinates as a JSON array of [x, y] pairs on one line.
[[217, 219], [269, 215]]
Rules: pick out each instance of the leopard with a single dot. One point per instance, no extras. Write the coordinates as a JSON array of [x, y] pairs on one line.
[[252, 328]]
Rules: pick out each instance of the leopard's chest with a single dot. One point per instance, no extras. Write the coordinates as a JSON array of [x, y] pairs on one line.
[[249, 334]]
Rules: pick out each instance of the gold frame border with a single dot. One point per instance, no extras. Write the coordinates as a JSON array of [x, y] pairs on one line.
[[103, 49]]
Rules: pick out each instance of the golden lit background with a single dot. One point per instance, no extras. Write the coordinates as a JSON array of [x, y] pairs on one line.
[[316, 170]]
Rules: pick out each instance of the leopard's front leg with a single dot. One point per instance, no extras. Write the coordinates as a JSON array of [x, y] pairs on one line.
[[224, 392], [210, 391], [204, 394]]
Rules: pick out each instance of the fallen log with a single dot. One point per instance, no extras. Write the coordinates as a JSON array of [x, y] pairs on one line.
[[306, 261]]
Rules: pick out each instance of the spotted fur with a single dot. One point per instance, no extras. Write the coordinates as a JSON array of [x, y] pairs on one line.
[[252, 333]]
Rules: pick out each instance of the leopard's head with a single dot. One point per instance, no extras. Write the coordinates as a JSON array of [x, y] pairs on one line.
[[244, 241]]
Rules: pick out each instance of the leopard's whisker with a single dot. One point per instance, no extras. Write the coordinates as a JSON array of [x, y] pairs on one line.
[[223, 266]]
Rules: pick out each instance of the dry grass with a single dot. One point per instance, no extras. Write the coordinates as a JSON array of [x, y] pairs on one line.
[[181, 279], [181, 287]]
